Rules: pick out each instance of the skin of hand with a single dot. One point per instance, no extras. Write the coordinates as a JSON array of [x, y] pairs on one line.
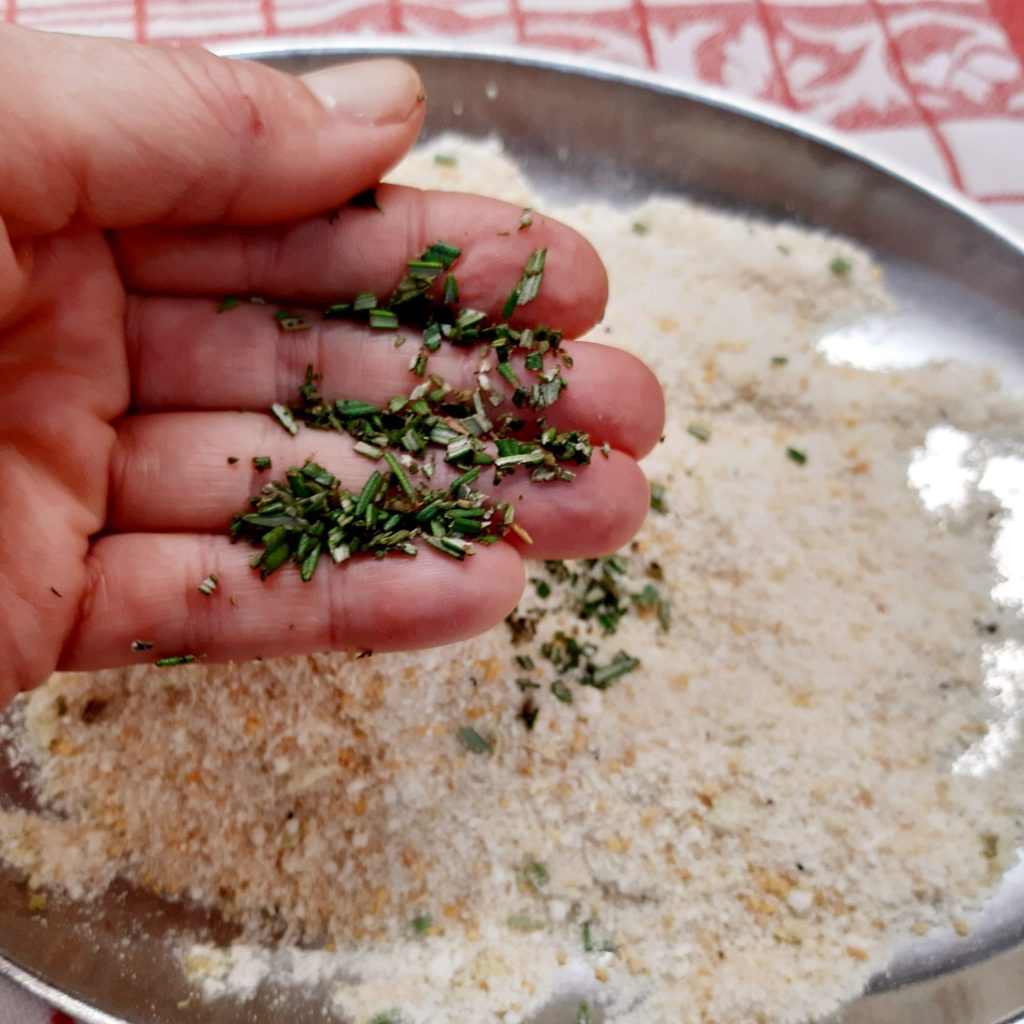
[[140, 184]]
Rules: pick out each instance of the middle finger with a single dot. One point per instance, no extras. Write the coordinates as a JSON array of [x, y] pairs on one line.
[[154, 489], [184, 355]]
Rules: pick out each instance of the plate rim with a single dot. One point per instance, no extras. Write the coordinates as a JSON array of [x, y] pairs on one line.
[[770, 115]]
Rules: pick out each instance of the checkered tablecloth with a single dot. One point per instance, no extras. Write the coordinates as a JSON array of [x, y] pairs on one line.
[[937, 85]]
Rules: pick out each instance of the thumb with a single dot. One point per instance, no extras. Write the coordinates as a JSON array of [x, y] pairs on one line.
[[116, 134]]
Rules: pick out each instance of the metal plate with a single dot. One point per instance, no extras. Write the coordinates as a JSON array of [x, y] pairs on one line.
[[586, 131]]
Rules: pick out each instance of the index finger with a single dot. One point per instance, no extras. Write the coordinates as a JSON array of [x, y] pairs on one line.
[[333, 257]]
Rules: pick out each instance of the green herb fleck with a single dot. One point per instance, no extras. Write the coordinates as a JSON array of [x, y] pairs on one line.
[[209, 585], [602, 678], [422, 923], [536, 875], [177, 659], [658, 503], [388, 1017], [840, 266], [583, 1014], [284, 416], [591, 944], [526, 218], [640, 228], [523, 923], [445, 160], [528, 713], [698, 431], [261, 463], [561, 691], [529, 284], [780, 360], [473, 741], [795, 455], [290, 322], [383, 319], [228, 302]]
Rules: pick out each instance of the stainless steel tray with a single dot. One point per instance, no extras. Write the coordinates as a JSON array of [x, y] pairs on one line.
[[582, 130]]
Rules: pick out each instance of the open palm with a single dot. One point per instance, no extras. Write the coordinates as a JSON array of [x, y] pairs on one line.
[[146, 183]]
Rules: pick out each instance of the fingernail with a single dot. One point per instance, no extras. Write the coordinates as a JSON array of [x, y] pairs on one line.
[[372, 91]]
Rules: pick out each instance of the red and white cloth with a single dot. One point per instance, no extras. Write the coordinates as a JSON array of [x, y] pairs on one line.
[[937, 85]]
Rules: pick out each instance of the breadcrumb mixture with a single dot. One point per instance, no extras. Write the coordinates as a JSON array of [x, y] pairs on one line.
[[741, 829]]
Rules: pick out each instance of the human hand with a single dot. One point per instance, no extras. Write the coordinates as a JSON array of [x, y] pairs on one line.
[[139, 184]]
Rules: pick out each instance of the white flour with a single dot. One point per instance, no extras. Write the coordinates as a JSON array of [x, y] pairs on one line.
[[751, 822]]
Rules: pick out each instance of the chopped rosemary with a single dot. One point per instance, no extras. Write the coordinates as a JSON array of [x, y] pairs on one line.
[[422, 923], [473, 741], [795, 455], [583, 1014], [178, 659], [523, 923], [209, 585], [284, 416], [640, 228], [780, 360], [528, 713], [529, 284], [383, 319], [592, 945], [698, 431], [536, 875], [658, 503], [561, 691], [289, 322], [310, 514], [840, 266], [228, 302], [525, 218], [602, 678], [445, 160]]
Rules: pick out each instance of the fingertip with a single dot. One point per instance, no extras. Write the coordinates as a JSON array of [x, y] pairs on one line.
[[376, 92], [452, 600], [614, 396], [575, 284], [593, 515], [648, 399]]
